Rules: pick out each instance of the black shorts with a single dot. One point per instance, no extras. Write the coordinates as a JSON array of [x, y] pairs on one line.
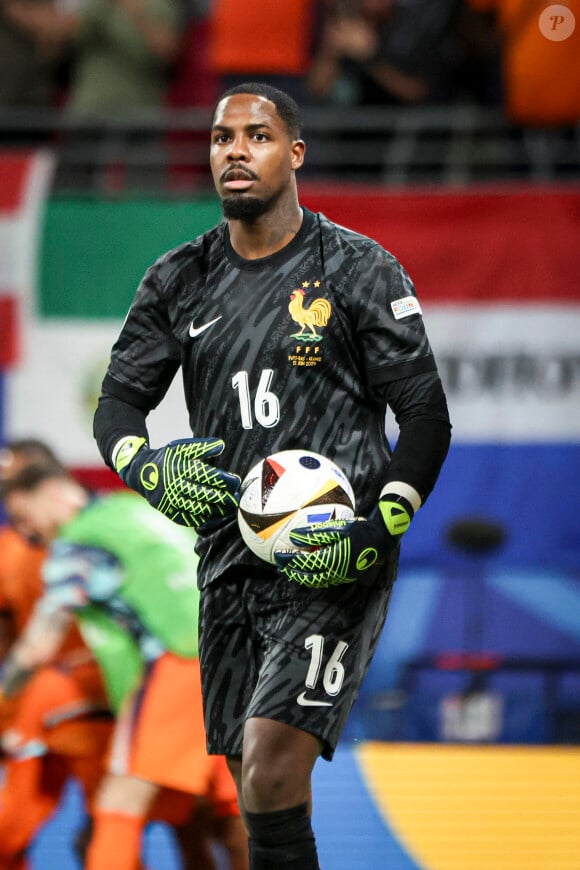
[[275, 649]]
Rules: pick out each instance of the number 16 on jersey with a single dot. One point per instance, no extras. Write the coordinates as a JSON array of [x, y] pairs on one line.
[[266, 403]]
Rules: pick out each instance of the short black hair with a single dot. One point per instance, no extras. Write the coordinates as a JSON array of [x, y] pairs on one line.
[[286, 106]]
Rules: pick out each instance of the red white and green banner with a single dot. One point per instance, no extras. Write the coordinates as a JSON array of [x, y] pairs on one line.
[[498, 276], [497, 273]]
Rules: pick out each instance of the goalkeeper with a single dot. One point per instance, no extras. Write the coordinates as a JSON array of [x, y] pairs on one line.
[[127, 575], [291, 332]]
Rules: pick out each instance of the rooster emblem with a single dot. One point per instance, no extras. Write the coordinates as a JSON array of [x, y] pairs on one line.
[[317, 314]]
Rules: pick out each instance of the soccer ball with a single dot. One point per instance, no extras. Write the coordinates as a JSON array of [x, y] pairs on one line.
[[285, 491]]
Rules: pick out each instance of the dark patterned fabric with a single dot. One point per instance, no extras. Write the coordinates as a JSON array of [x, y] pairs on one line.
[[292, 350], [298, 656]]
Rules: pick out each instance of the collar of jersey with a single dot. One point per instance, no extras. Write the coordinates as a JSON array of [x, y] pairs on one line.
[[271, 259]]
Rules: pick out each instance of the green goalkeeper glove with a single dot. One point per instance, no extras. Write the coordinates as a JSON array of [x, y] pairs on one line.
[[177, 481], [347, 550]]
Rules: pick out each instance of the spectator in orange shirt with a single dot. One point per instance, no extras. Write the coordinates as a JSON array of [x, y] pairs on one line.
[[540, 54], [267, 40]]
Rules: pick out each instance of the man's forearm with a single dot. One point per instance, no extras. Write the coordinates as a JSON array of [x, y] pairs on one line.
[[420, 408], [419, 454], [36, 646], [115, 419]]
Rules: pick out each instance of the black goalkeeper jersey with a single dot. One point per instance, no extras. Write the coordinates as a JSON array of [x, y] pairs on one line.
[[286, 351]]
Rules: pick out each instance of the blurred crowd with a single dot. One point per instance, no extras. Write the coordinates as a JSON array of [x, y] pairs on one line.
[[91, 57]]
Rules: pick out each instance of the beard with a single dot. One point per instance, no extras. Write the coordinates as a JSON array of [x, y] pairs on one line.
[[246, 208]]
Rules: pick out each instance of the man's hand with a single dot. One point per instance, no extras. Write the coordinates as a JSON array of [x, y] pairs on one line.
[[177, 481], [344, 551]]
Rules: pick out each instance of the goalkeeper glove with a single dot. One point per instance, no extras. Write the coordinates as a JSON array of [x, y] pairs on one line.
[[343, 551], [177, 481]]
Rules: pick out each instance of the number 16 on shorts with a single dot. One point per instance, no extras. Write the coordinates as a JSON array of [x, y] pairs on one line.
[[332, 677]]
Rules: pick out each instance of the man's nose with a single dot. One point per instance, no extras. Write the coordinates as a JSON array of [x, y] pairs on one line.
[[238, 149]]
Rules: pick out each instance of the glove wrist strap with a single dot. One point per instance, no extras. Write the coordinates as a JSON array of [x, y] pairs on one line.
[[124, 451], [397, 513]]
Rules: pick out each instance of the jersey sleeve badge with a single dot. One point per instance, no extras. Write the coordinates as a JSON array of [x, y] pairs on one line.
[[405, 306]]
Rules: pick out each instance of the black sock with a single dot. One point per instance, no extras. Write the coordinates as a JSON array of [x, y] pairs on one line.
[[282, 840]]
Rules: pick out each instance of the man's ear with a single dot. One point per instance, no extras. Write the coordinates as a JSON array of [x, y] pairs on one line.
[[298, 152]]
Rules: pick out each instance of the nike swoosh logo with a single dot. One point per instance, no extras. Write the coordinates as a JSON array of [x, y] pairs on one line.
[[305, 702], [195, 331]]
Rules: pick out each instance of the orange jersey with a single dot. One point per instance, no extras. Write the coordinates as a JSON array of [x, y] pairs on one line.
[[263, 37], [21, 585], [541, 69], [20, 577], [56, 711]]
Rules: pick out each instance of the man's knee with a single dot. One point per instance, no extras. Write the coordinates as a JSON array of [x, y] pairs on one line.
[[272, 784], [277, 765]]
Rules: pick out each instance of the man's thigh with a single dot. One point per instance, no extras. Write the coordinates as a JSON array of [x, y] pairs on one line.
[[277, 650]]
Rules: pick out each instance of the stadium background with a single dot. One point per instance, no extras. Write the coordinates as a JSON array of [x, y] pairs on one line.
[[461, 752]]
